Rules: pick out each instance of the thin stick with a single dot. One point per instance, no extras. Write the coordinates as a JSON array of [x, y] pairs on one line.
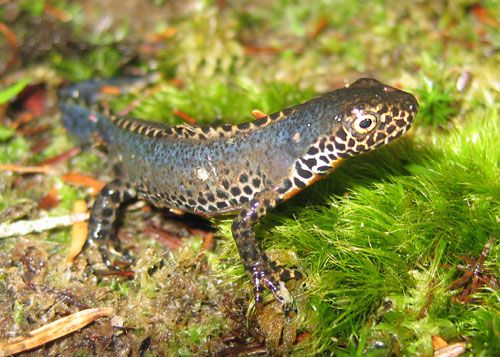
[[25, 169], [52, 331], [20, 228]]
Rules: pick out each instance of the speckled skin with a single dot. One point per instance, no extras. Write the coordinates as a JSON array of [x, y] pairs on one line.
[[247, 169]]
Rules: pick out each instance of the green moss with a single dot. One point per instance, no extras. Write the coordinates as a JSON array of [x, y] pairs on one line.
[[102, 62], [218, 102], [19, 314], [10, 92], [121, 288], [437, 104], [87, 162], [67, 196], [14, 150], [6, 133]]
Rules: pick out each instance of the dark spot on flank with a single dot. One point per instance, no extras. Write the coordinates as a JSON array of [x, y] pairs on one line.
[[370, 141], [212, 208], [329, 147], [221, 194], [381, 136], [303, 173], [256, 182], [310, 163], [210, 197], [243, 178], [227, 127], [244, 199], [244, 126], [323, 168], [351, 142], [360, 148], [221, 205], [205, 129], [299, 183], [341, 134], [202, 201], [395, 111], [192, 202], [248, 190], [235, 191], [312, 150], [324, 159], [339, 146], [233, 201], [225, 184]]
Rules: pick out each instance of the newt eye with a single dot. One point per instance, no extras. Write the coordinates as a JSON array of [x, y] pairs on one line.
[[364, 123]]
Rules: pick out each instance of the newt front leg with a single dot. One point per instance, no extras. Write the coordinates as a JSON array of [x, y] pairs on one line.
[[264, 273], [103, 216]]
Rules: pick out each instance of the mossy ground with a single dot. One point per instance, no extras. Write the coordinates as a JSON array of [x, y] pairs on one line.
[[380, 242]]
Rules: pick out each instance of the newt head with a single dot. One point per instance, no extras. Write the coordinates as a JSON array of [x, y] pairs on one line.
[[373, 114]]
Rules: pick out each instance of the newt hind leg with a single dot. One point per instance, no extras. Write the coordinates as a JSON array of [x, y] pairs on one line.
[[264, 273], [103, 216]]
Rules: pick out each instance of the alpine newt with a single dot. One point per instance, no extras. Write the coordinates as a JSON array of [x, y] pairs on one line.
[[246, 169]]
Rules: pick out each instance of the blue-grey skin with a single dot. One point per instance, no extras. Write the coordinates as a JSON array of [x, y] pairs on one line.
[[247, 169]]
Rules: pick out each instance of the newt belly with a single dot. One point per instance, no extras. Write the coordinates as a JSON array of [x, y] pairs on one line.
[[247, 169]]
